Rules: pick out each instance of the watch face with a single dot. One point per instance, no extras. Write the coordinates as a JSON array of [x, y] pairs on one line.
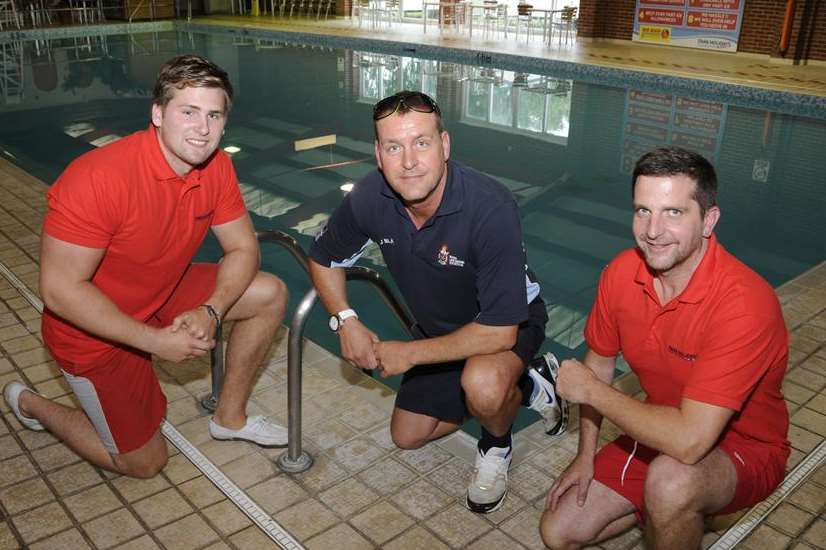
[[334, 323]]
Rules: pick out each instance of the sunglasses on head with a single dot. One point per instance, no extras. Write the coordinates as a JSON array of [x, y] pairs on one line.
[[412, 101]]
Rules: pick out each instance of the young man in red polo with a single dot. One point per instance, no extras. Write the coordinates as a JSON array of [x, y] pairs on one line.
[[119, 285], [706, 337]]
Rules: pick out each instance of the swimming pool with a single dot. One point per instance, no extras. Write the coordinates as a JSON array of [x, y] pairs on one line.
[[563, 146]]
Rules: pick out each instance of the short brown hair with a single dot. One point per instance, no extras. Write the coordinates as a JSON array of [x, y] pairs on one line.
[[190, 71], [673, 161]]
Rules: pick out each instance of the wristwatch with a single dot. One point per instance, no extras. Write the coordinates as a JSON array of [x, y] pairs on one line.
[[338, 319]]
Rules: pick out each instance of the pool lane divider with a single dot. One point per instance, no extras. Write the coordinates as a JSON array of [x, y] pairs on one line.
[[749, 522], [243, 501]]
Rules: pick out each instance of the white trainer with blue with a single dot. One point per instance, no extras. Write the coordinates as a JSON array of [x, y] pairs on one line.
[[553, 409], [489, 484], [11, 393], [258, 430]]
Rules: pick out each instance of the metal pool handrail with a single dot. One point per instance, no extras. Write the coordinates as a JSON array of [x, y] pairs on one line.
[[295, 460], [210, 402]]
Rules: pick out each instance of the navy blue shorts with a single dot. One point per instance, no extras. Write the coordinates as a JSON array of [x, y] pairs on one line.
[[436, 390]]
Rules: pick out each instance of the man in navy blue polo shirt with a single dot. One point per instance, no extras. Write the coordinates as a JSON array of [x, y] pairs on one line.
[[452, 239]]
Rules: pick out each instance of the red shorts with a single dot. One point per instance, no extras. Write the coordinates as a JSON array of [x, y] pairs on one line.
[[120, 392], [760, 469]]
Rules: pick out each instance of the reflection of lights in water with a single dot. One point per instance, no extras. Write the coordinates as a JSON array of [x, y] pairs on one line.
[[232, 149], [347, 187]]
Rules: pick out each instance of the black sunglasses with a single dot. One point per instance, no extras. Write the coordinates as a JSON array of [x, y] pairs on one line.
[[412, 101]]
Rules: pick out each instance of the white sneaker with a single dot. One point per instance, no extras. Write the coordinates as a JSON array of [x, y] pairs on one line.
[[11, 393], [554, 410], [258, 430], [489, 484]]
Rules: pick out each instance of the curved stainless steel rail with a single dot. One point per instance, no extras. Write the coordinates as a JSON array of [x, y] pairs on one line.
[[294, 459], [210, 402]]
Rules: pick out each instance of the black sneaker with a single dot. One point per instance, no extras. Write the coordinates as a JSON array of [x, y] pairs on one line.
[[554, 410]]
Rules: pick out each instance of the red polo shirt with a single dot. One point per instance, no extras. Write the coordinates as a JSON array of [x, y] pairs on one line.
[[722, 341], [126, 199]]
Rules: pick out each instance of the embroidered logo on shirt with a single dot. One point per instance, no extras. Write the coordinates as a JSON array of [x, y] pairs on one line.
[[683, 355], [386, 240], [444, 257]]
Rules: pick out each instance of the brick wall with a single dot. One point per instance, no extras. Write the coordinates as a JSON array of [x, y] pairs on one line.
[[759, 33]]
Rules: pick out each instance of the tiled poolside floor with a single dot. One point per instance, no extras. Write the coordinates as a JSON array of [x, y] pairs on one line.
[[361, 492]]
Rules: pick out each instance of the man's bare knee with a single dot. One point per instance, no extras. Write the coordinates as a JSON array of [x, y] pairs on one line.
[[556, 533], [670, 486], [407, 441], [144, 462], [486, 389]]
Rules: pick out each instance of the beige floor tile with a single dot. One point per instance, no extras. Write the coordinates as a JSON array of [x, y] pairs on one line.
[[5, 366], [529, 482], [802, 439], [811, 420], [424, 460], [421, 499], [357, 454], [348, 497], [162, 508], [513, 504], [625, 540], [340, 537], [9, 447], [387, 476], [33, 440], [250, 469], [381, 437], [816, 534], [226, 517], [306, 519], [809, 497], [252, 538], [524, 528], [416, 538], [797, 393], [41, 522], [220, 545], [142, 543], [42, 372], [325, 473], [113, 528], [186, 534], [20, 344], [7, 540], [452, 477], [201, 491], [221, 452], [364, 416], [183, 410], [458, 526], [381, 522], [25, 495], [817, 403], [495, 540], [329, 433], [196, 431], [179, 469], [71, 539], [92, 503], [765, 538], [54, 457], [16, 469], [133, 489], [73, 478], [277, 493], [32, 357], [12, 332], [789, 519]]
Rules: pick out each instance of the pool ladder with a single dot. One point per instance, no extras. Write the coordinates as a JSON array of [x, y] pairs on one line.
[[294, 460]]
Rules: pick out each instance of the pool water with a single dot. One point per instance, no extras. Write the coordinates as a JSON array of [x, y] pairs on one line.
[[565, 148]]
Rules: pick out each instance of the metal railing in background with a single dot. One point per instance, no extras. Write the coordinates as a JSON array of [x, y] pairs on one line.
[[296, 460]]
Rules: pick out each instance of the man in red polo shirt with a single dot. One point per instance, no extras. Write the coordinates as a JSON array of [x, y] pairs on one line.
[[116, 277], [706, 337]]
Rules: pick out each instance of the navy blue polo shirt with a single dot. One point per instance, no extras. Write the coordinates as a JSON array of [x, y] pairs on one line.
[[467, 263]]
